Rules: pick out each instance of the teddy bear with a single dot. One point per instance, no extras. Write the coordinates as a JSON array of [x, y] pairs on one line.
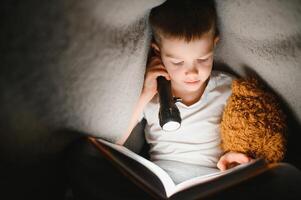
[[252, 122]]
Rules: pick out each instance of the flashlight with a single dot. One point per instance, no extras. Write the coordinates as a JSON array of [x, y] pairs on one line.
[[169, 114]]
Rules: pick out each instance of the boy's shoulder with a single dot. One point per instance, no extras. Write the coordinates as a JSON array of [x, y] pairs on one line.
[[220, 80], [222, 77], [222, 74]]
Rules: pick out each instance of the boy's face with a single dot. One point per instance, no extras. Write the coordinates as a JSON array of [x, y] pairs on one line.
[[188, 64]]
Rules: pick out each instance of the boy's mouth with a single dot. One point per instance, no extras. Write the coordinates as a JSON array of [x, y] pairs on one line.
[[192, 82]]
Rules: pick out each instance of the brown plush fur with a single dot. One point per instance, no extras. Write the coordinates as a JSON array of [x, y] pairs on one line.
[[253, 123]]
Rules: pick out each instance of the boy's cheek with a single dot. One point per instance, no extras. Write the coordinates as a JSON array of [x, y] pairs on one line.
[[169, 68], [174, 74], [165, 63]]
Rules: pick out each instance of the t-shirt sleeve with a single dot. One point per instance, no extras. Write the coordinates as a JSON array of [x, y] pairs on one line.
[[149, 110]]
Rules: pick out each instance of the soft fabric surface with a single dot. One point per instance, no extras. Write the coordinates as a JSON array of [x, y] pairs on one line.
[[261, 37], [79, 65], [264, 37], [253, 122]]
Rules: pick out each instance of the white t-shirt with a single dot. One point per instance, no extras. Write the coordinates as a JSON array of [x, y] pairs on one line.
[[197, 141]]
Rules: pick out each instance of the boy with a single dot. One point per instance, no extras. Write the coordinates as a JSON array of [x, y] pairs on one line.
[[185, 35]]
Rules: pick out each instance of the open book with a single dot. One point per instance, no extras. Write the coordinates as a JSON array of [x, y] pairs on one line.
[[157, 182]]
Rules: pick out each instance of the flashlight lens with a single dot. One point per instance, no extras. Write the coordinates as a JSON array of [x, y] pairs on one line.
[[171, 126]]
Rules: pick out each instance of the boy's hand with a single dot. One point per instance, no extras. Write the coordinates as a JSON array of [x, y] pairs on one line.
[[154, 69], [232, 159]]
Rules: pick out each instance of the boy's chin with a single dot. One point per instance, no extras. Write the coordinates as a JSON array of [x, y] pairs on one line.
[[192, 88], [189, 87]]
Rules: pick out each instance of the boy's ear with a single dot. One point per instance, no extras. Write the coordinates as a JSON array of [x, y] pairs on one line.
[[156, 48], [216, 39]]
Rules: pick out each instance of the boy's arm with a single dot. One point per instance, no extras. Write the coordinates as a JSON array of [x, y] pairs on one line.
[[138, 109], [155, 68]]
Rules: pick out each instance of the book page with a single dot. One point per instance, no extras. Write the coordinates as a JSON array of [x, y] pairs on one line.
[[165, 179], [255, 164], [231, 176]]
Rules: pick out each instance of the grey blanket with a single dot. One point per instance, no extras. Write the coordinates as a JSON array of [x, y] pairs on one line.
[[79, 65]]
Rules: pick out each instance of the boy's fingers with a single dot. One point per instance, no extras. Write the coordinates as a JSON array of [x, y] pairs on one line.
[[167, 77], [230, 158], [222, 164], [241, 158], [237, 157], [155, 60], [155, 67], [160, 72]]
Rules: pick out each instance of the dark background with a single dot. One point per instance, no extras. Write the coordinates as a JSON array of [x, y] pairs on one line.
[[38, 124], [35, 126]]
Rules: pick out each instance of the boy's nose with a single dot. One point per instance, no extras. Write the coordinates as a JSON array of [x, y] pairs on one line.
[[191, 70]]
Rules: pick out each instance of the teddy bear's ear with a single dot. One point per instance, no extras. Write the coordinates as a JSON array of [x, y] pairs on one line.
[[247, 87]]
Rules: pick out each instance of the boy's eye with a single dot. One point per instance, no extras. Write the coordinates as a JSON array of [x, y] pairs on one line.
[[177, 63], [203, 60]]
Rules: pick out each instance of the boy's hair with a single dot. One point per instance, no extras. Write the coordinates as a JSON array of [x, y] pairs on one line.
[[183, 19]]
